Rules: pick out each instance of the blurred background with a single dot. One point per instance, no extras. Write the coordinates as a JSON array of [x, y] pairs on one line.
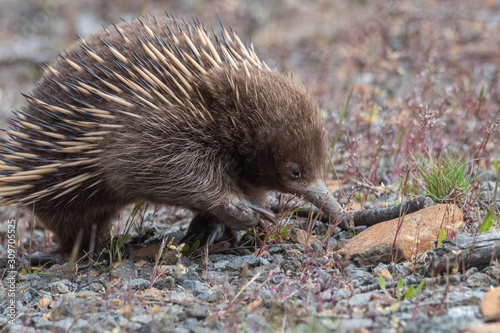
[[423, 73]]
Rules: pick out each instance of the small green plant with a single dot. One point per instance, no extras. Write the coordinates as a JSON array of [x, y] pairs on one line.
[[412, 291], [441, 237], [445, 179], [486, 224], [32, 270], [399, 289], [189, 249], [115, 247]]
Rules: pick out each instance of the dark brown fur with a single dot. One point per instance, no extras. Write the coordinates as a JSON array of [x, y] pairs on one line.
[[234, 138]]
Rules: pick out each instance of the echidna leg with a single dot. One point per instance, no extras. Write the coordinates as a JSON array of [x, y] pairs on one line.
[[208, 228], [241, 214], [67, 224], [223, 222]]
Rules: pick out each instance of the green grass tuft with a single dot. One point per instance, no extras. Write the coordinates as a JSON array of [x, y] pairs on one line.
[[445, 179]]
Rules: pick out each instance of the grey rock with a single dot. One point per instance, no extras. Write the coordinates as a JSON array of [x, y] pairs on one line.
[[68, 324], [195, 286], [193, 325], [209, 296], [354, 324], [459, 296], [363, 298], [28, 277], [18, 328], [327, 295], [178, 313], [108, 321], [59, 288], [97, 288], [181, 329], [134, 327], [478, 280], [164, 283], [494, 272], [221, 264], [440, 324], [256, 323], [361, 277], [42, 324], [139, 284], [275, 250], [463, 311], [125, 272], [142, 319], [218, 278], [31, 296], [219, 257], [178, 296], [397, 270], [197, 311], [471, 271]]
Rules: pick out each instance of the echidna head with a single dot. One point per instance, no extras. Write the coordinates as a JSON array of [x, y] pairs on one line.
[[280, 135]]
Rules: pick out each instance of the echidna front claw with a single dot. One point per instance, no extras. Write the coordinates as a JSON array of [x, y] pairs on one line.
[[264, 212], [263, 225], [241, 215]]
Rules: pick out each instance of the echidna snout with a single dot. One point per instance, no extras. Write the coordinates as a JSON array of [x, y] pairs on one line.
[[163, 111]]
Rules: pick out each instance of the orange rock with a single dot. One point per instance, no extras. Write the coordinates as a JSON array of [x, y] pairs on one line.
[[416, 233], [490, 304], [486, 328]]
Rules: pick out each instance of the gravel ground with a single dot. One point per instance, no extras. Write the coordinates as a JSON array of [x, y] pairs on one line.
[[239, 292]]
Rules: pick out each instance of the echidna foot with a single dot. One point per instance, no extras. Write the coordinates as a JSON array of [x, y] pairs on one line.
[[242, 215], [209, 229]]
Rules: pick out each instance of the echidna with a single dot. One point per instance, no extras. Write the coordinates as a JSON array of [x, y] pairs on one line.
[[163, 111]]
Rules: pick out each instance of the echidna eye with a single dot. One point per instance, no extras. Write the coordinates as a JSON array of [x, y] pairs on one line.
[[294, 171], [295, 174]]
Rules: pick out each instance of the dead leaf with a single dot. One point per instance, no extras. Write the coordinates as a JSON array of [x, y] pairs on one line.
[[384, 272], [139, 264], [44, 302], [328, 313], [155, 309], [254, 304], [125, 310], [303, 237]]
